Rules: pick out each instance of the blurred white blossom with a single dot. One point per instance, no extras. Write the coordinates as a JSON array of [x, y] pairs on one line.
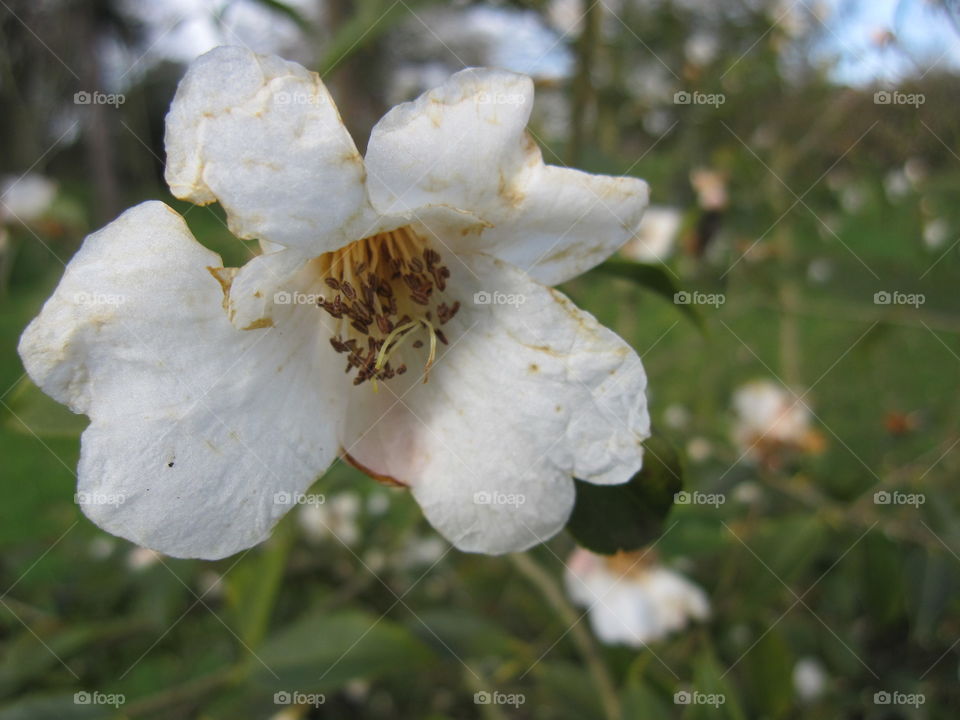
[[656, 237], [25, 198], [770, 418], [631, 600], [809, 679]]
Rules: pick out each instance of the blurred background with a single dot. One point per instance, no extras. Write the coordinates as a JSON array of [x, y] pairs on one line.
[[793, 295]]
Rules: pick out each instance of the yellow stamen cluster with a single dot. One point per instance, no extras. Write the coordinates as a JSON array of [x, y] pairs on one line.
[[385, 288]]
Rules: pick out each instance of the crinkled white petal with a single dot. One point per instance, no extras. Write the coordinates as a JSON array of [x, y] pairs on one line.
[[196, 426], [263, 136], [530, 393], [464, 146]]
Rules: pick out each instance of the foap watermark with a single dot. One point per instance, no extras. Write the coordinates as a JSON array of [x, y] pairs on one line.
[[85, 298], [85, 697], [297, 98], [295, 697], [493, 497], [298, 498], [886, 697], [298, 298], [488, 98], [487, 697], [895, 297], [85, 97], [895, 497], [99, 498], [684, 97], [895, 97], [498, 298], [695, 697], [698, 498], [696, 297]]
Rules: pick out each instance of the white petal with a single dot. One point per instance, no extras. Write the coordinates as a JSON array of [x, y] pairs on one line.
[[464, 146], [524, 398], [452, 146], [263, 136], [196, 426]]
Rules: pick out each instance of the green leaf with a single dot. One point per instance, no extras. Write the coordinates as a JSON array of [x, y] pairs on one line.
[[466, 634], [59, 707], [768, 676], [610, 518], [322, 652], [566, 691], [709, 679], [641, 701], [31, 412], [653, 278], [291, 12]]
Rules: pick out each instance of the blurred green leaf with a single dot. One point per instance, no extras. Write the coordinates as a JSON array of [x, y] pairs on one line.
[[769, 676], [785, 548], [323, 652], [465, 633], [567, 690], [709, 679], [34, 412], [289, 11], [60, 707], [26, 658], [640, 701], [653, 278], [610, 518]]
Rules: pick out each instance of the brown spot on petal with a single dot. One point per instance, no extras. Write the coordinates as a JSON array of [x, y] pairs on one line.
[[379, 477], [259, 324]]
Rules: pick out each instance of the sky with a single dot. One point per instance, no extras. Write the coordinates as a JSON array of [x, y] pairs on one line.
[[926, 39]]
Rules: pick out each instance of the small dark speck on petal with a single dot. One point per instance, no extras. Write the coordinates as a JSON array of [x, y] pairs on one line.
[[169, 464]]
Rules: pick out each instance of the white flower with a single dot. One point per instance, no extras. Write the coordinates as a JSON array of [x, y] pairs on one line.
[[24, 198], [631, 600], [711, 188], [140, 558], [336, 517], [770, 417], [936, 233], [809, 679], [423, 269], [656, 237]]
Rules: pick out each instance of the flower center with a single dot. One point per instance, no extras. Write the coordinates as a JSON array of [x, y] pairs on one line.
[[385, 290]]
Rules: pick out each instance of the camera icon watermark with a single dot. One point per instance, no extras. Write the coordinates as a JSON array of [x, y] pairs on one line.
[[493, 497], [85, 97], [287, 499], [85, 697], [498, 298], [99, 498], [684, 97], [895, 97], [296, 98], [295, 697], [499, 98], [487, 697], [694, 697], [85, 298], [895, 497], [698, 498], [895, 297], [696, 297], [298, 298], [885, 697]]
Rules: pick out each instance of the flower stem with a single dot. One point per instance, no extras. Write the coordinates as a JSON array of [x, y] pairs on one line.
[[588, 649]]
